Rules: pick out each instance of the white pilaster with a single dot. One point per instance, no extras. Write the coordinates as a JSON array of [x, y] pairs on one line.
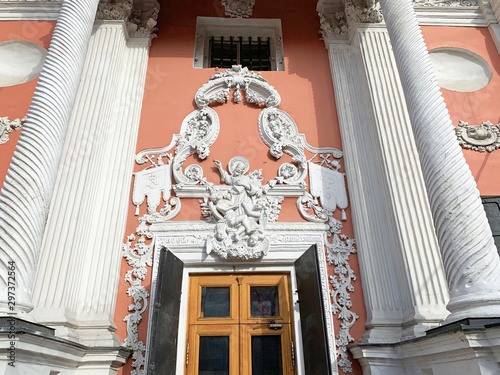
[[82, 243], [416, 241], [27, 191], [468, 251], [374, 223]]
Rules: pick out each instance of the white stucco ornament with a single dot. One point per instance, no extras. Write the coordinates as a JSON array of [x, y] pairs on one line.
[[484, 137], [240, 213], [6, 127], [328, 184], [238, 8], [152, 183]]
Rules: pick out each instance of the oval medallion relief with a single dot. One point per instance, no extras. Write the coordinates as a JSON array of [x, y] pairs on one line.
[[460, 70], [20, 62]]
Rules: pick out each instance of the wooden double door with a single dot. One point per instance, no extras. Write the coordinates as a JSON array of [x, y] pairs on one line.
[[240, 324]]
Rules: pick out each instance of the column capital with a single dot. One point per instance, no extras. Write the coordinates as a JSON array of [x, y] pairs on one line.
[[363, 11], [140, 18]]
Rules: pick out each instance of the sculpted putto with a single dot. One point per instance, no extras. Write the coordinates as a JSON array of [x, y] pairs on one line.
[[241, 213]]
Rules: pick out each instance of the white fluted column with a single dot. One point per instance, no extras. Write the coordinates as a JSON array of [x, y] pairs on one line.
[[82, 244], [27, 191], [417, 242], [468, 251]]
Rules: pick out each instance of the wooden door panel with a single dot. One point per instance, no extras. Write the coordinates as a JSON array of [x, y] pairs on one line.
[[268, 297], [250, 332], [198, 283], [197, 332]]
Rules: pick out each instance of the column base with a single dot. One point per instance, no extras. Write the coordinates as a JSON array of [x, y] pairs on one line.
[[34, 350], [473, 306], [470, 346]]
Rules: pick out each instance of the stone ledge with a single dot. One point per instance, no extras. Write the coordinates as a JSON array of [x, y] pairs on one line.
[[38, 351]]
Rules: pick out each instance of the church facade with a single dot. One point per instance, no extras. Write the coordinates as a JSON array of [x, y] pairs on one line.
[[248, 187]]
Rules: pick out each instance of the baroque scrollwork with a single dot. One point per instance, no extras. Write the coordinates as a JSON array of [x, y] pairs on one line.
[[237, 79], [199, 131], [138, 254], [484, 137], [339, 249], [240, 213], [238, 210], [279, 132], [238, 8], [7, 126]]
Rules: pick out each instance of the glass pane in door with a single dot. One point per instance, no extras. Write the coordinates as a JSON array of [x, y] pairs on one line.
[[266, 355], [215, 302], [264, 301], [214, 355]]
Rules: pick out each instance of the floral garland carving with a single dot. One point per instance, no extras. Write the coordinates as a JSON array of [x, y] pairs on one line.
[[339, 248], [138, 257], [338, 252]]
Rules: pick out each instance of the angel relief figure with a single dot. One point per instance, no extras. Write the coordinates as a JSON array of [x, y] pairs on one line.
[[241, 213]]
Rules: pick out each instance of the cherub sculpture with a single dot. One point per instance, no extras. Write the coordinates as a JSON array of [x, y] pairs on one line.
[[242, 212]]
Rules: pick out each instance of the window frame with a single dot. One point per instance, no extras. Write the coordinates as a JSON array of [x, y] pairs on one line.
[[207, 27]]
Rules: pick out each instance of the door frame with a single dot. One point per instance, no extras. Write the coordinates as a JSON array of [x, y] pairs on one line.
[[288, 242]]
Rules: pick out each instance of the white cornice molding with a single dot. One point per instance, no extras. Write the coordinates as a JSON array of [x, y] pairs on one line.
[[450, 16], [29, 10]]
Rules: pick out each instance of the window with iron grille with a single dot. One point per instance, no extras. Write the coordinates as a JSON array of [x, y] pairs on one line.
[[254, 43], [254, 53]]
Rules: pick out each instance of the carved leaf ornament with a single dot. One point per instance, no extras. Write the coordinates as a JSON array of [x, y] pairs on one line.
[[239, 209]]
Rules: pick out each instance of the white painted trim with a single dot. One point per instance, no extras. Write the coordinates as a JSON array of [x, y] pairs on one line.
[[29, 11]]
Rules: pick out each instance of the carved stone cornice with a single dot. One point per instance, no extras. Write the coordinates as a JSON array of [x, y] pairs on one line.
[[6, 127], [333, 26], [238, 8], [445, 3], [140, 16], [363, 11]]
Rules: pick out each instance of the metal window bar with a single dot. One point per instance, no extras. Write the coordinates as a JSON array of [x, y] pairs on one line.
[[254, 54]]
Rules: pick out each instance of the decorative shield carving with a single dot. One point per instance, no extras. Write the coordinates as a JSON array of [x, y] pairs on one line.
[[152, 183], [329, 186]]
